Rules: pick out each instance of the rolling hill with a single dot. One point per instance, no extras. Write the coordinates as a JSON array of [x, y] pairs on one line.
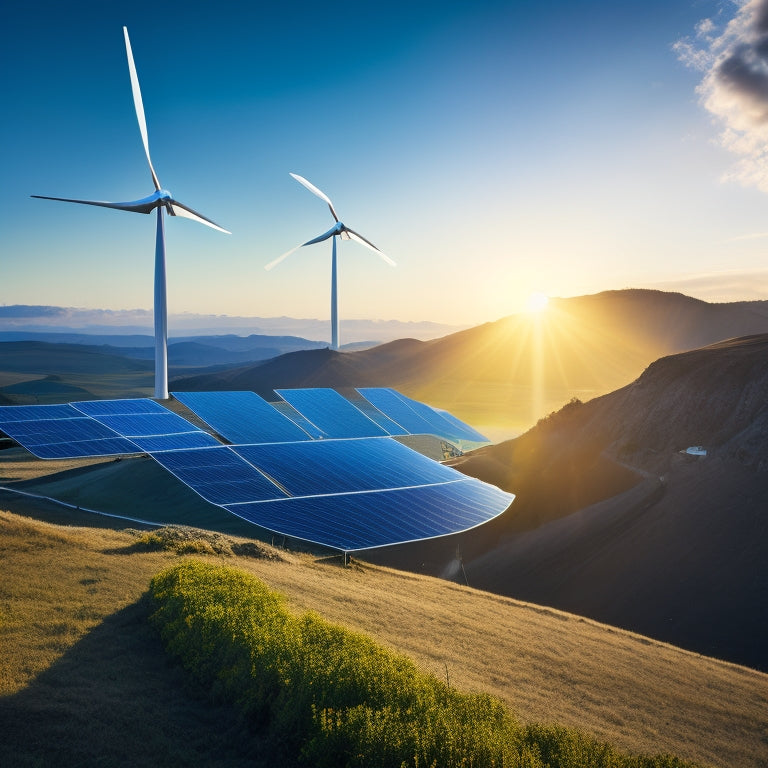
[[612, 521], [511, 372], [76, 645]]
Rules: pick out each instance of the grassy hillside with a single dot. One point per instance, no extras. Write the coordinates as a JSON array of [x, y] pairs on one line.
[[684, 537], [76, 646]]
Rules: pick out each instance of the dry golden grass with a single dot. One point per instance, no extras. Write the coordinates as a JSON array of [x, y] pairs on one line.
[[63, 586]]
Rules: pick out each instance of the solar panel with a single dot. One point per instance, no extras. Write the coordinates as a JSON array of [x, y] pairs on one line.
[[60, 432], [419, 418], [337, 466], [375, 414], [356, 521], [174, 442], [442, 426], [113, 407], [389, 402], [462, 430], [287, 410], [147, 423], [219, 475], [9, 413], [242, 417], [332, 413]]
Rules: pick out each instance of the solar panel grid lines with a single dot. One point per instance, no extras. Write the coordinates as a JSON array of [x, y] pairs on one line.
[[150, 425], [242, 417], [146, 424], [356, 521], [175, 441], [133, 405], [287, 410], [389, 402], [9, 413], [463, 430], [61, 432], [376, 415], [340, 465], [331, 412], [218, 475], [450, 428]]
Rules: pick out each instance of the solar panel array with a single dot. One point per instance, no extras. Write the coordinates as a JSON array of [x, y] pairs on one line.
[[338, 466], [147, 424], [315, 466], [332, 413], [419, 418], [355, 521], [61, 432], [219, 475], [242, 417]]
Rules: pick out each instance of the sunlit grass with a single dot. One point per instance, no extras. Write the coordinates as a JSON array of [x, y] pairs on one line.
[[75, 646]]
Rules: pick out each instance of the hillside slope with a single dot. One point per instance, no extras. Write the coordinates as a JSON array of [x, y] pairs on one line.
[[611, 521], [516, 369], [80, 590]]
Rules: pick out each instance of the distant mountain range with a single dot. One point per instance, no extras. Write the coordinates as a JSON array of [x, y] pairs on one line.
[[614, 521], [501, 376], [24, 320]]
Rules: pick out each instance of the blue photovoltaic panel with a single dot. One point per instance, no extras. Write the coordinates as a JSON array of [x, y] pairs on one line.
[[419, 418], [337, 466], [291, 413], [389, 402], [145, 424], [357, 521], [174, 442], [43, 432], [9, 413], [82, 449], [114, 407], [148, 424], [242, 417], [218, 475], [332, 413], [376, 415], [461, 429], [443, 427]]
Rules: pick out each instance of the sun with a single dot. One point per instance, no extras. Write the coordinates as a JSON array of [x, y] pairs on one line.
[[537, 302]]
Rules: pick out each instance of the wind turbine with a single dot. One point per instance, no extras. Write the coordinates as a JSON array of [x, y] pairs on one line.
[[339, 229], [163, 201]]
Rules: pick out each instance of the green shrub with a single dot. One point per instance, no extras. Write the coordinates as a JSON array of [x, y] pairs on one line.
[[321, 695]]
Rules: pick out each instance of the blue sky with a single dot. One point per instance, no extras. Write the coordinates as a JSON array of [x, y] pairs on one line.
[[493, 149]]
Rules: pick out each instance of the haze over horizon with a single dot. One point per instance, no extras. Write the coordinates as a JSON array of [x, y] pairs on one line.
[[493, 151]]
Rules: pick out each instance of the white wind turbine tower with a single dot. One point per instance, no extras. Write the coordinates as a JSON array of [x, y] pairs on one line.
[[345, 233], [163, 201]]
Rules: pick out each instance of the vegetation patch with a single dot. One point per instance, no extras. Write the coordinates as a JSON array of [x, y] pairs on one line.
[[321, 695], [184, 540]]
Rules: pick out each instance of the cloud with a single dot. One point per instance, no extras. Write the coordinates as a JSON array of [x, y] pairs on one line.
[[726, 285], [734, 88]]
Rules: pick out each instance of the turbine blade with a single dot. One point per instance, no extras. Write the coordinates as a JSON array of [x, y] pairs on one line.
[[185, 212], [280, 258], [360, 239], [139, 105], [146, 205], [315, 191]]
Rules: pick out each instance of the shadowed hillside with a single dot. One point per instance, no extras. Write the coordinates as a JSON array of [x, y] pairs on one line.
[[613, 522], [511, 372]]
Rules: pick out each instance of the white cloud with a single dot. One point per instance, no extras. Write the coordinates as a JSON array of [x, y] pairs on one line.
[[727, 285], [734, 88]]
